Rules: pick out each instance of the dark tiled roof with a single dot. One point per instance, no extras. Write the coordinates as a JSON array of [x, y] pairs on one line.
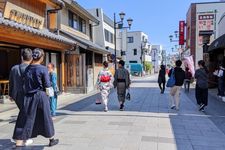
[[44, 32]]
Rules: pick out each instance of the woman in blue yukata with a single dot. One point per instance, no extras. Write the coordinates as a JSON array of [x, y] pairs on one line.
[[35, 112], [53, 80]]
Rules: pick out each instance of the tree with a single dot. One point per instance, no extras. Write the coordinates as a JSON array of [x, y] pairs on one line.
[[148, 66]]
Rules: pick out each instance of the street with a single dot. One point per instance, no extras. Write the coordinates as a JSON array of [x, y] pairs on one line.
[[147, 123]]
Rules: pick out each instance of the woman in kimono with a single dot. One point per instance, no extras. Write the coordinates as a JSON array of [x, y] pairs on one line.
[[122, 83], [104, 83], [53, 80], [35, 114]]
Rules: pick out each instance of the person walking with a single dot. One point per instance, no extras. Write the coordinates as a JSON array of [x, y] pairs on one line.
[[35, 114], [53, 80], [179, 76], [122, 83], [187, 80], [105, 83], [220, 74], [16, 92], [201, 90], [162, 78]]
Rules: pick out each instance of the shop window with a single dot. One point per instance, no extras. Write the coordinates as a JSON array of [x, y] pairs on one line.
[[98, 59], [89, 58]]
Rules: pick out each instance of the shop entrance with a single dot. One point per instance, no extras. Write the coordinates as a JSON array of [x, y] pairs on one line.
[[8, 58], [74, 69]]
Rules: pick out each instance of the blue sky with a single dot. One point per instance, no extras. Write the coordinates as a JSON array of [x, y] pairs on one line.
[[157, 18]]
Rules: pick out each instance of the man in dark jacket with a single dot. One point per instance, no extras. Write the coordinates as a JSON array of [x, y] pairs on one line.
[[179, 75], [16, 92], [15, 77]]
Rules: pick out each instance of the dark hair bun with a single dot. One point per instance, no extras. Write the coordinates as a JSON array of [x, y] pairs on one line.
[[37, 53]]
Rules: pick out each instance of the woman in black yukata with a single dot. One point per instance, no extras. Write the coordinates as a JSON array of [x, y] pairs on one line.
[[35, 114]]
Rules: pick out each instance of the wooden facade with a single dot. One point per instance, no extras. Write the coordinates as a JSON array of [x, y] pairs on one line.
[[12, 36]]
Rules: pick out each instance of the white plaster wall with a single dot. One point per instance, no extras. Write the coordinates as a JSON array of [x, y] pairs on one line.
[[156, 51], [136, 45]]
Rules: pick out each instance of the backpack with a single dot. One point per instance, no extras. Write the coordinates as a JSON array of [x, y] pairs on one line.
[[171, 81]]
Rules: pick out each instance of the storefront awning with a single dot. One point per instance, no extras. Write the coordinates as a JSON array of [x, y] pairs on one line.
[[219, 43], [90, 45]]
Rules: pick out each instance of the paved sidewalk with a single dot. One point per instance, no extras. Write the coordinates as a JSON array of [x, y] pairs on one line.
[[147, 124]]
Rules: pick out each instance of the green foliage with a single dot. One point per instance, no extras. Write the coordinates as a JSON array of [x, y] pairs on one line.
[[148, 66]]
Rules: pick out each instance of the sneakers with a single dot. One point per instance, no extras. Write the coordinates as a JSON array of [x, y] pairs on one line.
[[53, 142], [173, 107], [223, 99], [121, 107], [29, 142]]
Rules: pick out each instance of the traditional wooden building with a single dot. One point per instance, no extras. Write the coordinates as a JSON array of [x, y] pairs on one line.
[[85, 61], [32, 23]]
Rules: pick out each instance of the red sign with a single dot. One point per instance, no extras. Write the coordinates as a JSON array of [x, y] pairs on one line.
[[181, 32]]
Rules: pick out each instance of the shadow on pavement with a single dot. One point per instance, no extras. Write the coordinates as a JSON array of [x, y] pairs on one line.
[[191, 130]]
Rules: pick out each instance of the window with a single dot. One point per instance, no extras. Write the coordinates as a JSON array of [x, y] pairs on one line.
[[98, 58], [109, 37], [77, 22], [130, 39], [143, 39], [73, 22], [90, 31], [135, 52], [97, 13], [82, 25]]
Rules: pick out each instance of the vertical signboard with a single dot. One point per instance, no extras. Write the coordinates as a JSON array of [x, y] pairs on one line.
[[181, 32], [205, 23]]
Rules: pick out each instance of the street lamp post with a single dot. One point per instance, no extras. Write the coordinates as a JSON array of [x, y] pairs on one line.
[[176, 40], [120, 26]]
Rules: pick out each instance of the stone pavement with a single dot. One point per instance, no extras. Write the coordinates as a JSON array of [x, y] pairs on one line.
[[147, 124]]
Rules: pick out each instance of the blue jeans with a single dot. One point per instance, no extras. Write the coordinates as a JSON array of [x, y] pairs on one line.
[[53, 105]]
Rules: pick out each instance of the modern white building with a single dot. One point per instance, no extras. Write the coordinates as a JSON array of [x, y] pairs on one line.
[[156, 53], [138, 48], [104, 33]]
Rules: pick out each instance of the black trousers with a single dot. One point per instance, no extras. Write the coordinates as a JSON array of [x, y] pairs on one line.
[[220, 87], [201, 95], [162, 86], [187, 85]]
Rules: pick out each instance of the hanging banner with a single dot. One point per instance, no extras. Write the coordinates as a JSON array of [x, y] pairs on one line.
[[181, 32], [189, 62]]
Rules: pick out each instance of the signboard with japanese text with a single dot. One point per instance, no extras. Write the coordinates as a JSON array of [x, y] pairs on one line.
[[23, 16], [206, 22], [181, 32]]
